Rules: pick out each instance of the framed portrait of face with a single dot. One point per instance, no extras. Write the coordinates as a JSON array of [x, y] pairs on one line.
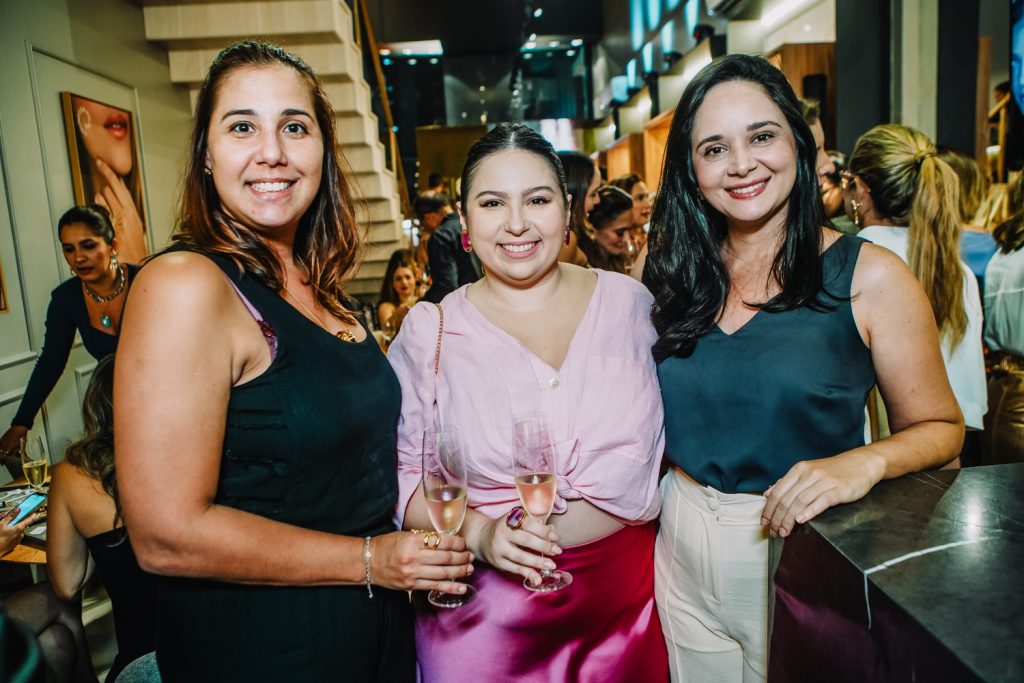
[[103, 150]]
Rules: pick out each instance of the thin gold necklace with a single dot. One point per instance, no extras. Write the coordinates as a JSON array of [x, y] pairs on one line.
[[343, 335]]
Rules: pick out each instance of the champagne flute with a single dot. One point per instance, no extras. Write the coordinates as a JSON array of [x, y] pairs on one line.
[[630, 252], [444, 487], [536, 483], [33, 460]]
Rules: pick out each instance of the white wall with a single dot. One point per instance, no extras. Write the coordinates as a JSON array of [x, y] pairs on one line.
[[86, 46]]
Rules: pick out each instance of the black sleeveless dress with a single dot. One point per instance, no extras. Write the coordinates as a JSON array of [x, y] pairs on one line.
[[132, 594], [310, 442]]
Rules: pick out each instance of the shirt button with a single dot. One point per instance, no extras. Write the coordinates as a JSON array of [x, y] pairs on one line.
[[712, 504], [553, 382]]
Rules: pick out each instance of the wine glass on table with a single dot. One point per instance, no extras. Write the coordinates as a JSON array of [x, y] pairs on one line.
[[33, 460], [444, 487], [534, 469]]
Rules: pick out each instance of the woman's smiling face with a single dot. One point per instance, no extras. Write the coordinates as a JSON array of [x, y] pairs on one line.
[[265, 150], [744, 154], [516, 216]]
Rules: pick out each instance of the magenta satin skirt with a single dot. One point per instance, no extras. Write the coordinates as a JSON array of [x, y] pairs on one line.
[[603, 628]]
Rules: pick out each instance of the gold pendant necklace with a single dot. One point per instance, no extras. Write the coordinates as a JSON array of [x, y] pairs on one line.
[[343, 335]]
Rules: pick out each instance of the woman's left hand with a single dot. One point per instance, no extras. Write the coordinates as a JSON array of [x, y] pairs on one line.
[[117, 200], [812, 486]]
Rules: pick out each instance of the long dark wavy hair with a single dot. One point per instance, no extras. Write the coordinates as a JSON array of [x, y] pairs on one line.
[[579, 173], [93, 453], [684, 269], [328, 242]]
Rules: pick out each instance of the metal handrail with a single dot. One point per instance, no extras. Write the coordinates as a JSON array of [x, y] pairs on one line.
[[363, 28]]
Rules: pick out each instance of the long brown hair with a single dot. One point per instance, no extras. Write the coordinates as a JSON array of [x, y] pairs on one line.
[[93, 453], [579, 173], [910, 185], [328, 242]]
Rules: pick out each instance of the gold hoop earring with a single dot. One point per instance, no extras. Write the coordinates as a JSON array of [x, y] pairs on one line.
[[856, 212]]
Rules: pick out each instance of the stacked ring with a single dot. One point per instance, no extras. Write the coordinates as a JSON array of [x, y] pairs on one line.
[[431, 540], [515, 517]]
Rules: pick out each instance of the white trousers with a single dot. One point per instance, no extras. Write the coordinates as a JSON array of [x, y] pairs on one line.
[[714, 564]]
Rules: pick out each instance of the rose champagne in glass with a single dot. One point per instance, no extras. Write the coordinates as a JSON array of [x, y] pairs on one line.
[[444, 488], [536, 483]]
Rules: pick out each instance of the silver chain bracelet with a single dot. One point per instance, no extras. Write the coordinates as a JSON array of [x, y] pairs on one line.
[[366, 564]]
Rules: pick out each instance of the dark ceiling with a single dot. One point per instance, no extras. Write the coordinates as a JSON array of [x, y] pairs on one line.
[[482, 27]]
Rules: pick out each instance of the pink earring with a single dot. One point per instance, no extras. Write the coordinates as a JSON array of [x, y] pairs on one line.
[[466, 245], [567, 229]]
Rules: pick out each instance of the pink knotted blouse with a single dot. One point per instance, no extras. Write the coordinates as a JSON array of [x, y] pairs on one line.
[[603, 406]]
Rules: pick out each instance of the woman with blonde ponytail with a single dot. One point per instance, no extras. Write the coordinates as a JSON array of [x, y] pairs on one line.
[[907, 199]]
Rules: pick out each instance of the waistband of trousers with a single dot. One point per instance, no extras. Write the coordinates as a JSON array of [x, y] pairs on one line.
[[738, 507]]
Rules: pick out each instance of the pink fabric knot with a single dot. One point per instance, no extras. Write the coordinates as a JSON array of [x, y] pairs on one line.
[[568, 458]]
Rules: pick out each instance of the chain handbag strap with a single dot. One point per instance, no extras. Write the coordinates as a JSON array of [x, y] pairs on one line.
[[440, 331]]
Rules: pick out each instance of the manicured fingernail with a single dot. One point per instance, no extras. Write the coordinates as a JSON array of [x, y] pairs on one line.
[[462, 589], [553, 537], [555, 550], [470, 570], [549, 565]]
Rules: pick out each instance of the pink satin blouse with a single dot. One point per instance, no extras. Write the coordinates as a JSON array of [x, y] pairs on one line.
[[603, 406]]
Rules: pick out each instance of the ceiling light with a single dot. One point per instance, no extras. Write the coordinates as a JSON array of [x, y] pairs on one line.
[[433, 60], [406, 51], [576, 42], [538, 12], [530, 45], [385, 51], [528, 55], [554, 43], [483, 88], [570, 53], [412, 62], [386, 62], [533, 36]]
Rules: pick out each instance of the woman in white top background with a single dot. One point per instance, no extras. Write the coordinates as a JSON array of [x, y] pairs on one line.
[[905, 198], [1004, 336]]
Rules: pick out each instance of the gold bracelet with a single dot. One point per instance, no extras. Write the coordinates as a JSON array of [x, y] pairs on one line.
[[366, 564]]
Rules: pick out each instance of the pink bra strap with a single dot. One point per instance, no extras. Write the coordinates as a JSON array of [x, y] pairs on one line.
[[266, 328]]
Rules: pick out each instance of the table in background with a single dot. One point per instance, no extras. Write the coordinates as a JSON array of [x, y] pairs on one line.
[[923, 579], [27, 552]]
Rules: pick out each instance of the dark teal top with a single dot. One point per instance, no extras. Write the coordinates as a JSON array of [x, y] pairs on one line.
[[310, 442], [785, 387]]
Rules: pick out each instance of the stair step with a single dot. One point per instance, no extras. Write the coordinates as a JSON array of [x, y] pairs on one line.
[[331, 62], [216, 24]]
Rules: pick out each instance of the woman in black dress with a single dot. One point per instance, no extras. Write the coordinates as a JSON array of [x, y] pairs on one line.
[[255, 417], [89, 303]]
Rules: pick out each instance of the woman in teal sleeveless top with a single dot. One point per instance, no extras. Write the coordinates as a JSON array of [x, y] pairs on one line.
[[255, 416], [772, 330]]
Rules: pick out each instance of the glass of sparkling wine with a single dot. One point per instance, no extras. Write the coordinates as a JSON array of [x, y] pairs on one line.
[[534, 468], [444, 487], [33, 460]]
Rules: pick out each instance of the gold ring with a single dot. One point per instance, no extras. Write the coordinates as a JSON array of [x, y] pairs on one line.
[[431, 540]]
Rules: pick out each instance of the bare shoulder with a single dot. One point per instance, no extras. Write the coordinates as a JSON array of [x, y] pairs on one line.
[[178, 273], [878, 269], [179, 289]]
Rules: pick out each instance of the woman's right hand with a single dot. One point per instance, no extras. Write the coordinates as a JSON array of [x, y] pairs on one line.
[[10, 536], [518, 550], [401, 560], [9, 454]]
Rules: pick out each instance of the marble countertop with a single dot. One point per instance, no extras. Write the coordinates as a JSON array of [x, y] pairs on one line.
[[948, 548]]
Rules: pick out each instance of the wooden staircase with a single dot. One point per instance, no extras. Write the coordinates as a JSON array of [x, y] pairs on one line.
[[321, 32]]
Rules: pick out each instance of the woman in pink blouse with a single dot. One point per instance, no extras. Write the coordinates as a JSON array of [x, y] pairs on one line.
[[574, 344]]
